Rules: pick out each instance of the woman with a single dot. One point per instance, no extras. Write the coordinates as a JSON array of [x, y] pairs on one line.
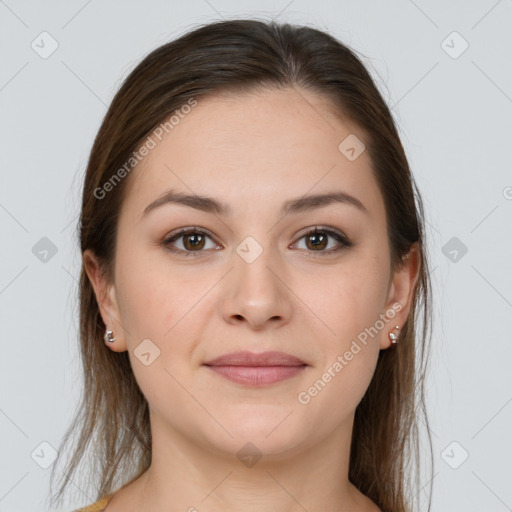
[[253, 265]]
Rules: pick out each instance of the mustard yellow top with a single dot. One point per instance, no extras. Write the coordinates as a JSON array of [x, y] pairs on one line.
[[97, 506]]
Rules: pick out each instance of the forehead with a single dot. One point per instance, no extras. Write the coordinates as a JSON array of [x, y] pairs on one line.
[[261, 147]]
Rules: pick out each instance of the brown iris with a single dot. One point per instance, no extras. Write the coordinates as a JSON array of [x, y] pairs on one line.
[[320, 240], [198, 241]]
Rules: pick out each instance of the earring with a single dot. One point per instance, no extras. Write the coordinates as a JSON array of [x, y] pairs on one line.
[[394, 337], [108, 337]]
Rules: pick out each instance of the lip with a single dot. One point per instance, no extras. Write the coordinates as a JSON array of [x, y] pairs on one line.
[[256, 370], [246, 358]]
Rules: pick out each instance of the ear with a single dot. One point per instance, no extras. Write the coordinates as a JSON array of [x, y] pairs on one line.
[[401, 290], [106, 297]]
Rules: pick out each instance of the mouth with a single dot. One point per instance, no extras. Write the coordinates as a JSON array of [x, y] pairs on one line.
[[255, 370]]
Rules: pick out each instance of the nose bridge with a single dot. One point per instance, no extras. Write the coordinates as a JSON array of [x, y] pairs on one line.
[[255, 292]]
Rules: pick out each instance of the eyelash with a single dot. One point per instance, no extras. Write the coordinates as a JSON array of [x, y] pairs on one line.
[[343, 240]]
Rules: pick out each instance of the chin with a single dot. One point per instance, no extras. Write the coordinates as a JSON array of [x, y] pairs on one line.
[[268, 435]]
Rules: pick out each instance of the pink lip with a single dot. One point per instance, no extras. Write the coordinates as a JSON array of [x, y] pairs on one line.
[[246, 358], [256, 369]]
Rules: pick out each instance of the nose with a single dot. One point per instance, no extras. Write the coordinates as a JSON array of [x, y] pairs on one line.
[[256, 293]]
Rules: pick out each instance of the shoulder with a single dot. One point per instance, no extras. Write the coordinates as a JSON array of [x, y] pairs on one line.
[[97, 506]]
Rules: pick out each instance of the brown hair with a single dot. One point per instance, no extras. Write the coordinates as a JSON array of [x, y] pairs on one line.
[[242, 56]]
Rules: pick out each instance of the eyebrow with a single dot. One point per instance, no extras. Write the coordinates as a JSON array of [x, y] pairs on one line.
[[210, 205]]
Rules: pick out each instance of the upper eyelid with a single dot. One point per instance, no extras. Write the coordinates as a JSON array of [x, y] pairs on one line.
[[186, 231]]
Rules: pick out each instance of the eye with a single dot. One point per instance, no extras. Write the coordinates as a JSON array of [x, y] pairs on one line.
[[193, 241], [317, 241]]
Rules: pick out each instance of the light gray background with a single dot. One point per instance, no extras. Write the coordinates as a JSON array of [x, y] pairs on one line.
[[455, 120]]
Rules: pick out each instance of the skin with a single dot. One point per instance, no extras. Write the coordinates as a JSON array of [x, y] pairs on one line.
[[252, 152]]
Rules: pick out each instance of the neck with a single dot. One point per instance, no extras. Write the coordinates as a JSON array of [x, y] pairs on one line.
[[190, 477]]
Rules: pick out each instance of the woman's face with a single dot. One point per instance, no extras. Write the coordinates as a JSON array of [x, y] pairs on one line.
[[250, 278]]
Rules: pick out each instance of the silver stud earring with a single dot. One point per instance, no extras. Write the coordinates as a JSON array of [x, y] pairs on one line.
[[108, 337], [394, 337]]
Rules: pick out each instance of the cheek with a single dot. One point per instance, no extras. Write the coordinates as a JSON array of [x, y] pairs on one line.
[[159, 306], [152, 296], [349, 304], [337, 388], [160, 303], [351, 297]]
